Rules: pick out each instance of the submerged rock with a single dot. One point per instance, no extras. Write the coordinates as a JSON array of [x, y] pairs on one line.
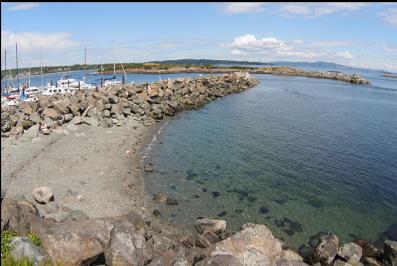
[[171, 201], [148, 168]]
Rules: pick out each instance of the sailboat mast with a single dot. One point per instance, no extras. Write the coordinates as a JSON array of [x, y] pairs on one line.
[[5, 66], [16, 58], [41, 69]]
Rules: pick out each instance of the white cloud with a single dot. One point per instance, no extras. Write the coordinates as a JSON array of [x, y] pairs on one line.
[[29, 43], [23, 6], [271, 48], [297, 41], [330, 8], [295, 9], [330, 43], [390, 16], [311, 10], [345, 55], [243, 7], [32, 40]]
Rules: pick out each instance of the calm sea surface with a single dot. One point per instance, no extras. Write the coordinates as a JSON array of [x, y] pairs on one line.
[[297, 154]]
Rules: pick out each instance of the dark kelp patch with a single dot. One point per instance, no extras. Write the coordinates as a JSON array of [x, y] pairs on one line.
[[263, 210], [215, 194], [288, 225], [190, 173], [222, 214]]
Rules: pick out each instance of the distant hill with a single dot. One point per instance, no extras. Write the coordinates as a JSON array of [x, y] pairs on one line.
[[207, 62]]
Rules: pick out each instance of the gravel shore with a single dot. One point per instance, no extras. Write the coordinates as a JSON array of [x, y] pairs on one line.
[[91, 169]]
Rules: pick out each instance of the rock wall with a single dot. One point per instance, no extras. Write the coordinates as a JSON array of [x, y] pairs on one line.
[[133, 239], [111, 105]]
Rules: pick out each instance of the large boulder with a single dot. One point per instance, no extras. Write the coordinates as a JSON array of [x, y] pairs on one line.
[[19, 216], [127, 245], [253, 245], [210, 225], [62, 106], [26, 108], [35, 118], [51, 113], [71, 248], [23, 247], [42, 194], [327, 249]]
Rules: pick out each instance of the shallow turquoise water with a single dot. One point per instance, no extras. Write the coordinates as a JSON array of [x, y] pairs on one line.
[[299, 155]]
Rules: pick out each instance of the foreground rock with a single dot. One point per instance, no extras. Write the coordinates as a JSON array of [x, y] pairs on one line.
[[133, 239], [253, 245], [111, 106]]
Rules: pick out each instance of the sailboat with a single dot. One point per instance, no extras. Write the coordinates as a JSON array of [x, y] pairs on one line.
[[10, 95], [112, 81]]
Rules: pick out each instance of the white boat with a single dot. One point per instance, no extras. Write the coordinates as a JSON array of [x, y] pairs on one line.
[[51, 90], [68, 81]]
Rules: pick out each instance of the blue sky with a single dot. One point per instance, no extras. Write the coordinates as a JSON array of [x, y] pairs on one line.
[[355, 34]]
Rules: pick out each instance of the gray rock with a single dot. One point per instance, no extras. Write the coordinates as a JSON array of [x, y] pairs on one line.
[[32, 132], [206, 239], [42, 194], [106, 113], [51, 113], [90, 121], [210, 225], [24, 248], [253, 245], [350, 252], [35, 118], [148, 168], [327, 249], [68, 117], [76, 120]]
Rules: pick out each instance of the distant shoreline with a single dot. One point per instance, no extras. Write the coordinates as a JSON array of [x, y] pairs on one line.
[[274, 70]]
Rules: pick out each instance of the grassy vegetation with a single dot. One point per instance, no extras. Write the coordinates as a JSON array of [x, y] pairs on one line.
[[6, 247]]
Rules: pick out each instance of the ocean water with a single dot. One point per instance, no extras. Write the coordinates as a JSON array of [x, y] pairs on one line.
[[300, 155]]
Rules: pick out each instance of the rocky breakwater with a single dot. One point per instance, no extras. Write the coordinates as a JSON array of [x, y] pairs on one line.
[[289, 71], [134, 239], [110, 106]]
